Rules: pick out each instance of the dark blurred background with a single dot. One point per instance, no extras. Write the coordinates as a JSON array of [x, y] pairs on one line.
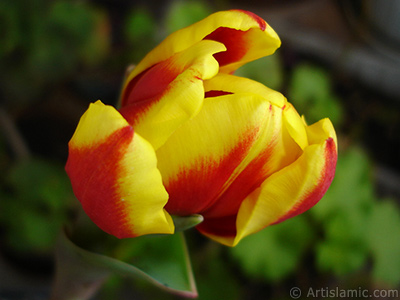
[[339, 59]]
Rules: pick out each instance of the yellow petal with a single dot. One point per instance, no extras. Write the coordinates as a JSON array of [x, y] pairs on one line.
[[234, 84], [295, 125], [111, 169], [320, 131]]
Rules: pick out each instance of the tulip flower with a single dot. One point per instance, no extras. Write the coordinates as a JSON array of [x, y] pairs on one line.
[[192, 138]]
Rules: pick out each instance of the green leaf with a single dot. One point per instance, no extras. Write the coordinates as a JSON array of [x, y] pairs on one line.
[[383, 237], [274, 252], [160, 260]]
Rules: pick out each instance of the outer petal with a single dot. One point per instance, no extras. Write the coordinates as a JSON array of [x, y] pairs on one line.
[[320, 133], [247, 37], [168, 94], [221, 155], [290, 191], [111, 169]]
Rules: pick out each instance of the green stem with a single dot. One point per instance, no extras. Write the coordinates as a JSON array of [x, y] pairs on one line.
[[76, 278]]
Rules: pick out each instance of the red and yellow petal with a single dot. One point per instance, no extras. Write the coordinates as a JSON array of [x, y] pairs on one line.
[[111, 168], [168, 94], [155, 80], [274, 149], [288, 192], [246, 36], [232, 135]]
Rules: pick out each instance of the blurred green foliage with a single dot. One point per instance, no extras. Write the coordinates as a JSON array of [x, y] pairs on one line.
[[344, 213], [184, 13], [267, 70], [46, 41], [275, 253], [213, 278], [140, 32], [358, 225], [311, 91], [36, 198], [383, 229], [10, 34]]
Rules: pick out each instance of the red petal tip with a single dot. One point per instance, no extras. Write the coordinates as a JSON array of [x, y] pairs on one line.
[[261, 22]]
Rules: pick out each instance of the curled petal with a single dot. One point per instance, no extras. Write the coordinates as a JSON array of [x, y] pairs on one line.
[[294, 189], [171, 92], [247, 37], [321, 130], [155, 80], [111, 169], [286, 193]]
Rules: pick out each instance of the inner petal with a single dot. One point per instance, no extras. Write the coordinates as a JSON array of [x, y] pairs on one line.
[[234, 41], [150, 83]]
